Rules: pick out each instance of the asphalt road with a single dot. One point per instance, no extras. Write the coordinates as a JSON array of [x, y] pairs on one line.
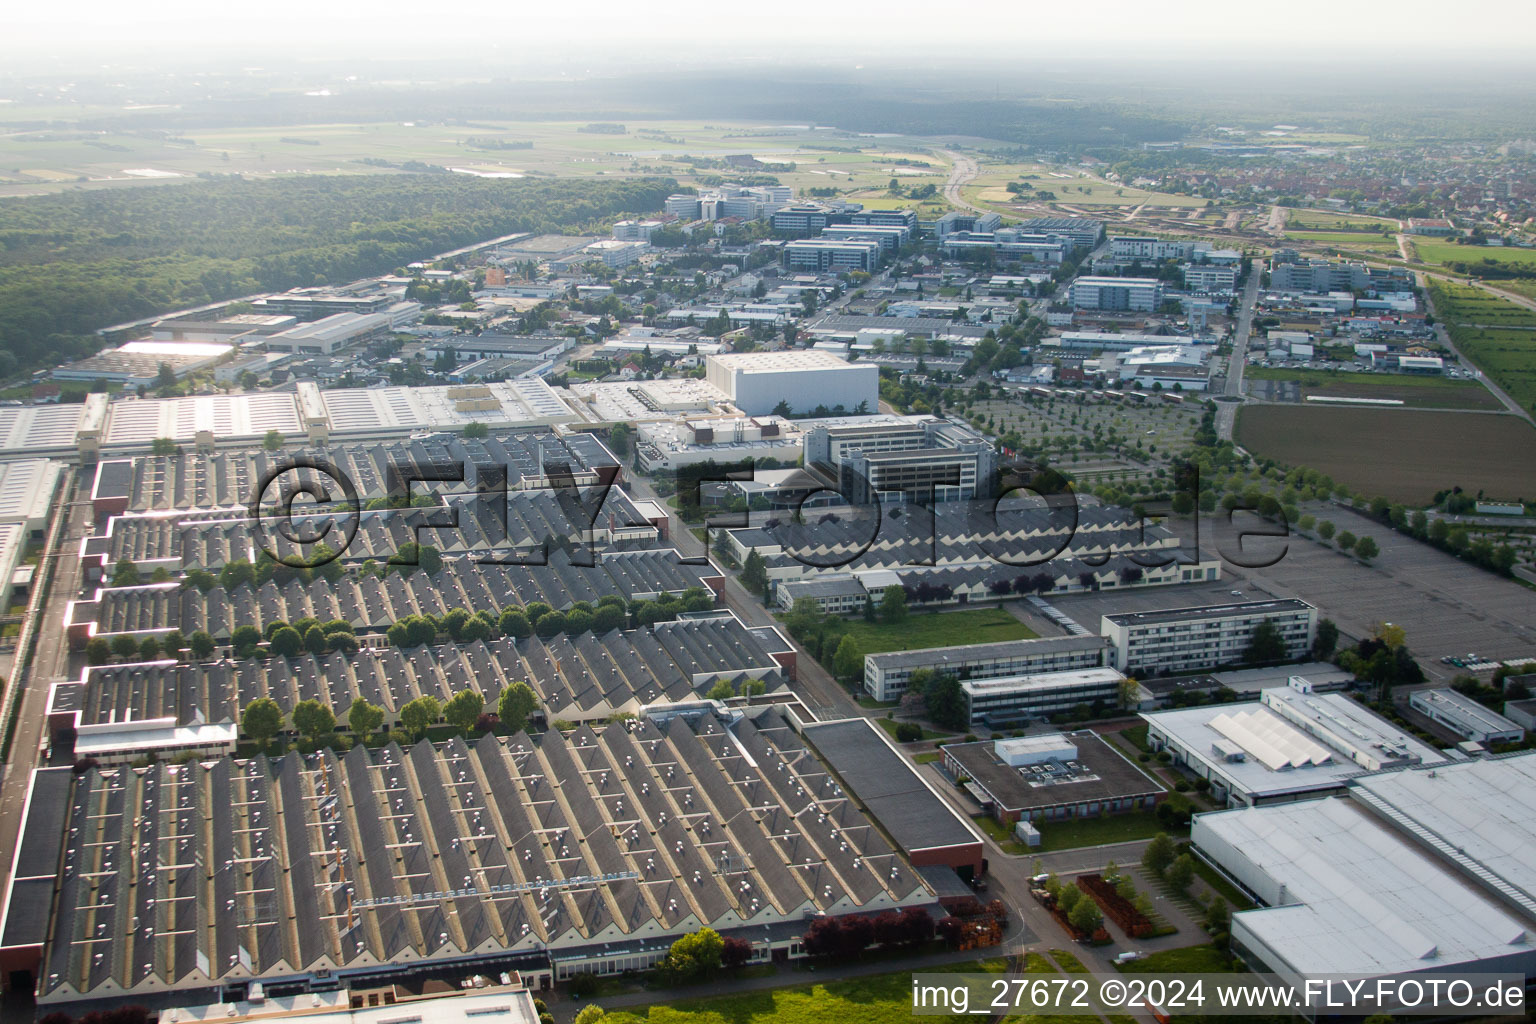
[[1226, 412], [962, 171]]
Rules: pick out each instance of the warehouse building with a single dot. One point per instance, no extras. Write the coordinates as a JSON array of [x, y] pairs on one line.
[[584, 678], [1419, 870], [1193, 639], [580, 852], [331, 334], [229, 479], [886, 786], [1291, 744], [1050, 777], [1465, 717], [761, 382], [515, 527], [372, 605], [887, 675]]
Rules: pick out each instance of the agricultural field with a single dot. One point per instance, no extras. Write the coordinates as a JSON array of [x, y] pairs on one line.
[[1497, 335], [1441, 251], [1405, 455], [1071, 189], [1320, 220], [1413, 392], [41, 161], [1353, 241]]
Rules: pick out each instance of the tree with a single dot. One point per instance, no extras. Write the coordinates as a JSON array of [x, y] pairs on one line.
[[262, 720], [463, 709], [125, 647], [421, 714], [1181, 872], [172, 643], [1158, 854], [908, 732], [514, 623], [516, 703], [1327, 639], [1130, 694], [98, 651], [754, 573], [1346, 540], [1266, 645], [618, 439], [893, 604], [695, 954], [363, 718], [722, 690], [202, 645], [592, 1014], [1068, 897], [315, 642], [1365, 549], [476, 430], [273, 441], [945, 699], [125, 573], [149, 649], [1086, 916], [1325, 529], [314, 719], [735, 952], [848, 661], [286, 642]]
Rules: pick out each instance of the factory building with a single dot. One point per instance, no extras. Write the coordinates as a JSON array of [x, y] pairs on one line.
[[759, 383]]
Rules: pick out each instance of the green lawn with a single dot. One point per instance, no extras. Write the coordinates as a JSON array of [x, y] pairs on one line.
[[1443, 251], [1364, 241], [1229, 892], [1116, 828], [1204, 959], [922, 630], [1068, 961], [877, 999], [889, 725], [928, 758], [1002, 835]]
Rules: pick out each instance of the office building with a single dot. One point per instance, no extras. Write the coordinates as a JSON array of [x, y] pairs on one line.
[[1319, 276], [1015, 700], [683, 206], [890, 237], [1117, 294], [761, 382], [1048, 777], [1465, 717], [1291, 744], [965, 221], [318, 303], [635, 230], [1145, 247], [888, 218], [1083, 232], [887, 675], [614, 253], [806, 218], [956, 471], [1194, 639], [1201, 278], [832, 255]]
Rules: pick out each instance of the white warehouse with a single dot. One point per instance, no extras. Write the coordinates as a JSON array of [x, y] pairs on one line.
[[757, 382]]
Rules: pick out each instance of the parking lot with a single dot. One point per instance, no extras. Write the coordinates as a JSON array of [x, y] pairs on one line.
[[1447, 606]]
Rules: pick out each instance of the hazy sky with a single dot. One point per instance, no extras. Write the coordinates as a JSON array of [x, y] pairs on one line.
[[139, 33]]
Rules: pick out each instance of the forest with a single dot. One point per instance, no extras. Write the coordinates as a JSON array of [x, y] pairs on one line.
[[73, 263]]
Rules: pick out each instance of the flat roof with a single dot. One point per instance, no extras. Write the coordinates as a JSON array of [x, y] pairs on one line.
[[27, 487], [774, 362], [968, 653], [1480, 814], [908, 809], [1360, 899], [1192, 613], [1042, 681], [1278, 756], [1463, 712], [1101, 773]]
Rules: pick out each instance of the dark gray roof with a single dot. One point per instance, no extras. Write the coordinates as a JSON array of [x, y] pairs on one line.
[[1195, 612], [883, 781], [1108, 776]]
